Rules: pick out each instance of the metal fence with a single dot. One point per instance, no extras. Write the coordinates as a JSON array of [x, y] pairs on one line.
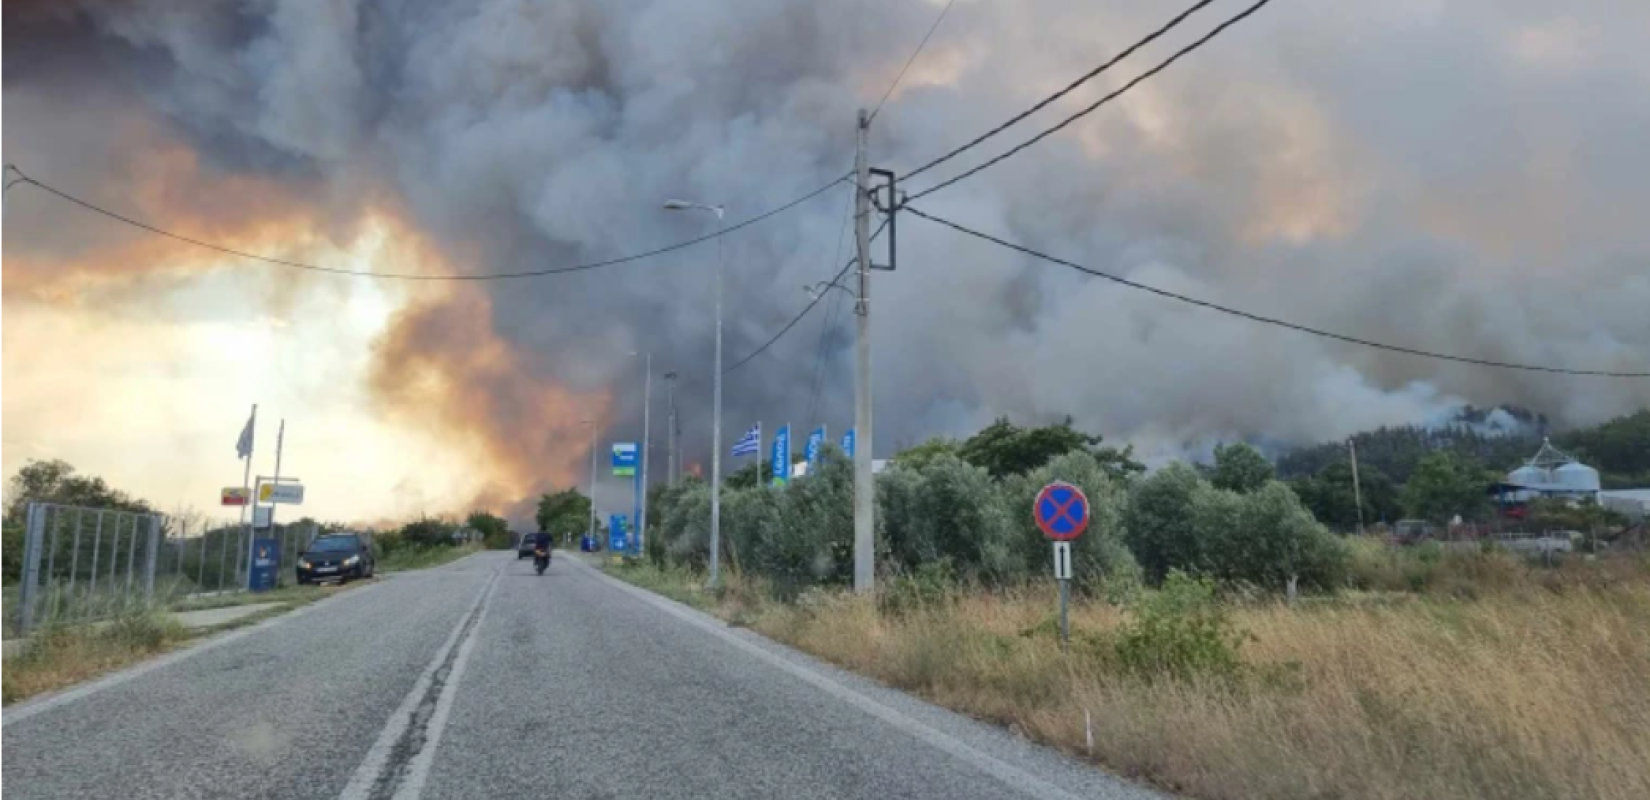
[[82, 564]]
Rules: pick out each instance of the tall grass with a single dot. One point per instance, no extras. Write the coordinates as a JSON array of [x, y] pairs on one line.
[[58, 656], [1537, 689]]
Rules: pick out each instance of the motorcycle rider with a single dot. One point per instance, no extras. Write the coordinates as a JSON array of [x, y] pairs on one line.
[[541, 544]]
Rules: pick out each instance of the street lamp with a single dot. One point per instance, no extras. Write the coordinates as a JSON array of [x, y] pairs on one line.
[[642, 480], [716, 398], [592, 534]]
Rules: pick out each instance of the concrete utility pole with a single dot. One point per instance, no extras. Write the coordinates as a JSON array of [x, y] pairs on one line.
[[864, 490], [1357, 490], [647, 409]]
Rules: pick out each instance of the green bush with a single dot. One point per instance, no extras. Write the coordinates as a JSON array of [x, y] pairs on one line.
[[1178, 521], [1160, 527], [1180, 631], [812, 541], [749, 517], [1267, 536], [685, 532]]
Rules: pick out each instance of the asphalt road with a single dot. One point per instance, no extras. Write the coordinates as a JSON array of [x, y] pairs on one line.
[[480, 679]]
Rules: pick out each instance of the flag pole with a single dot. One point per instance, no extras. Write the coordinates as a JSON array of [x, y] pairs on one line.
[[758, 454], [280, 439], [246, 493]]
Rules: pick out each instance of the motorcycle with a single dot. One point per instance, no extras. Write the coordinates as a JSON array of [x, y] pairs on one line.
[[541, 559]]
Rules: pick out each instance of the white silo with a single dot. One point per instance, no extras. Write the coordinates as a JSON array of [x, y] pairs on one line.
[[1529, 475], [1577, 477]]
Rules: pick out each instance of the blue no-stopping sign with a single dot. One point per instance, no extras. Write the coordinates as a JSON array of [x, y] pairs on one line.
[[1061, 511]]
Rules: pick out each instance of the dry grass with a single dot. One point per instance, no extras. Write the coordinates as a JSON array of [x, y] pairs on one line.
[[62, 656], [1526, 693]]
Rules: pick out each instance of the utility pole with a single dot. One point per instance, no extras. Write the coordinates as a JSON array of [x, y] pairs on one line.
[[1357, 490], [592, 424], [647, 409], [864, 491]]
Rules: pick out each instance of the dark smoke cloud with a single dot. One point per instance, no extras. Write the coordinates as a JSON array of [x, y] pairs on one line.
[[1464, 176]]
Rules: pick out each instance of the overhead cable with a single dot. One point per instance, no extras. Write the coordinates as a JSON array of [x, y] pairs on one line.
[[1239, 17], [913, 59], [1085, 78], [409, 276], [805, 309], [1253, 317]]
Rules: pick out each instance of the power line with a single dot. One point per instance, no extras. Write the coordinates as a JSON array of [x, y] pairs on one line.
[[913, 59], [1086, 77], [805, 309], [407, 276], [1270, 320], [1235, 19], [825, 325]]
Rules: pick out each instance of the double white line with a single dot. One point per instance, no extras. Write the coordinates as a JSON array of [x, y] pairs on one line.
[[399, 762]]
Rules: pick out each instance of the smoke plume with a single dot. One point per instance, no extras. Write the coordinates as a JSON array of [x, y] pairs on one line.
[[1461, 176]]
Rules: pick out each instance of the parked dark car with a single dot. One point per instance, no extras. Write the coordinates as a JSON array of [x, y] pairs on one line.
[[524, 548], [336, 557]]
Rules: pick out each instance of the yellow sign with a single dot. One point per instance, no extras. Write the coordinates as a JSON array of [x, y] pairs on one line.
[[291, 493], [234, 496]]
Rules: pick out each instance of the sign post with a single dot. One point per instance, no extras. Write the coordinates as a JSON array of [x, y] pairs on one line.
[[1061, 511]]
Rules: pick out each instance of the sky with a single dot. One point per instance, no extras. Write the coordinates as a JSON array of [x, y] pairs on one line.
[[1465, 176]]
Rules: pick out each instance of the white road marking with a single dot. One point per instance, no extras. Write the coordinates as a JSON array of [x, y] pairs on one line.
[[418, 772], [1010, 775], [377, 760]]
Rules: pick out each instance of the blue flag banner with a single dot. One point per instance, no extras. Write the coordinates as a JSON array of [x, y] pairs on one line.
[[816, 443], [848, 443], [781, 456], [751, 443]]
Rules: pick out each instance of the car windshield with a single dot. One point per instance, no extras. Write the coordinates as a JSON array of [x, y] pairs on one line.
[[335, 544]]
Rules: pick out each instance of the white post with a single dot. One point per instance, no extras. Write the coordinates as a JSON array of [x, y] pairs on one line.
[[592, 483], [647, 410], [280, 439], [246, 495], [716, 426]]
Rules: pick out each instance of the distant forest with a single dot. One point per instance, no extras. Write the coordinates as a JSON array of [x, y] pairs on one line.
[[1619, 449]]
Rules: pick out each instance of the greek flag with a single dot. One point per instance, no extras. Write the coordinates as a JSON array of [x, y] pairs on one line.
[[243, 445], [751, 443]]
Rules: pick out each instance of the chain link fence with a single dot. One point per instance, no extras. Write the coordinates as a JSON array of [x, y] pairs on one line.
[[85, 564]]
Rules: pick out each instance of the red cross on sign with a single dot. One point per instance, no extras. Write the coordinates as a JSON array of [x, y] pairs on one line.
[[1061, 511]]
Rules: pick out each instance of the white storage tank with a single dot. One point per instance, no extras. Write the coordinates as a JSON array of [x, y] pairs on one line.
[[1529, 475], [1577, 477]]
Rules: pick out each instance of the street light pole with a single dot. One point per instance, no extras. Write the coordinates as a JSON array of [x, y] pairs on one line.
[[592, 534], [716, 402], [647, 410]]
